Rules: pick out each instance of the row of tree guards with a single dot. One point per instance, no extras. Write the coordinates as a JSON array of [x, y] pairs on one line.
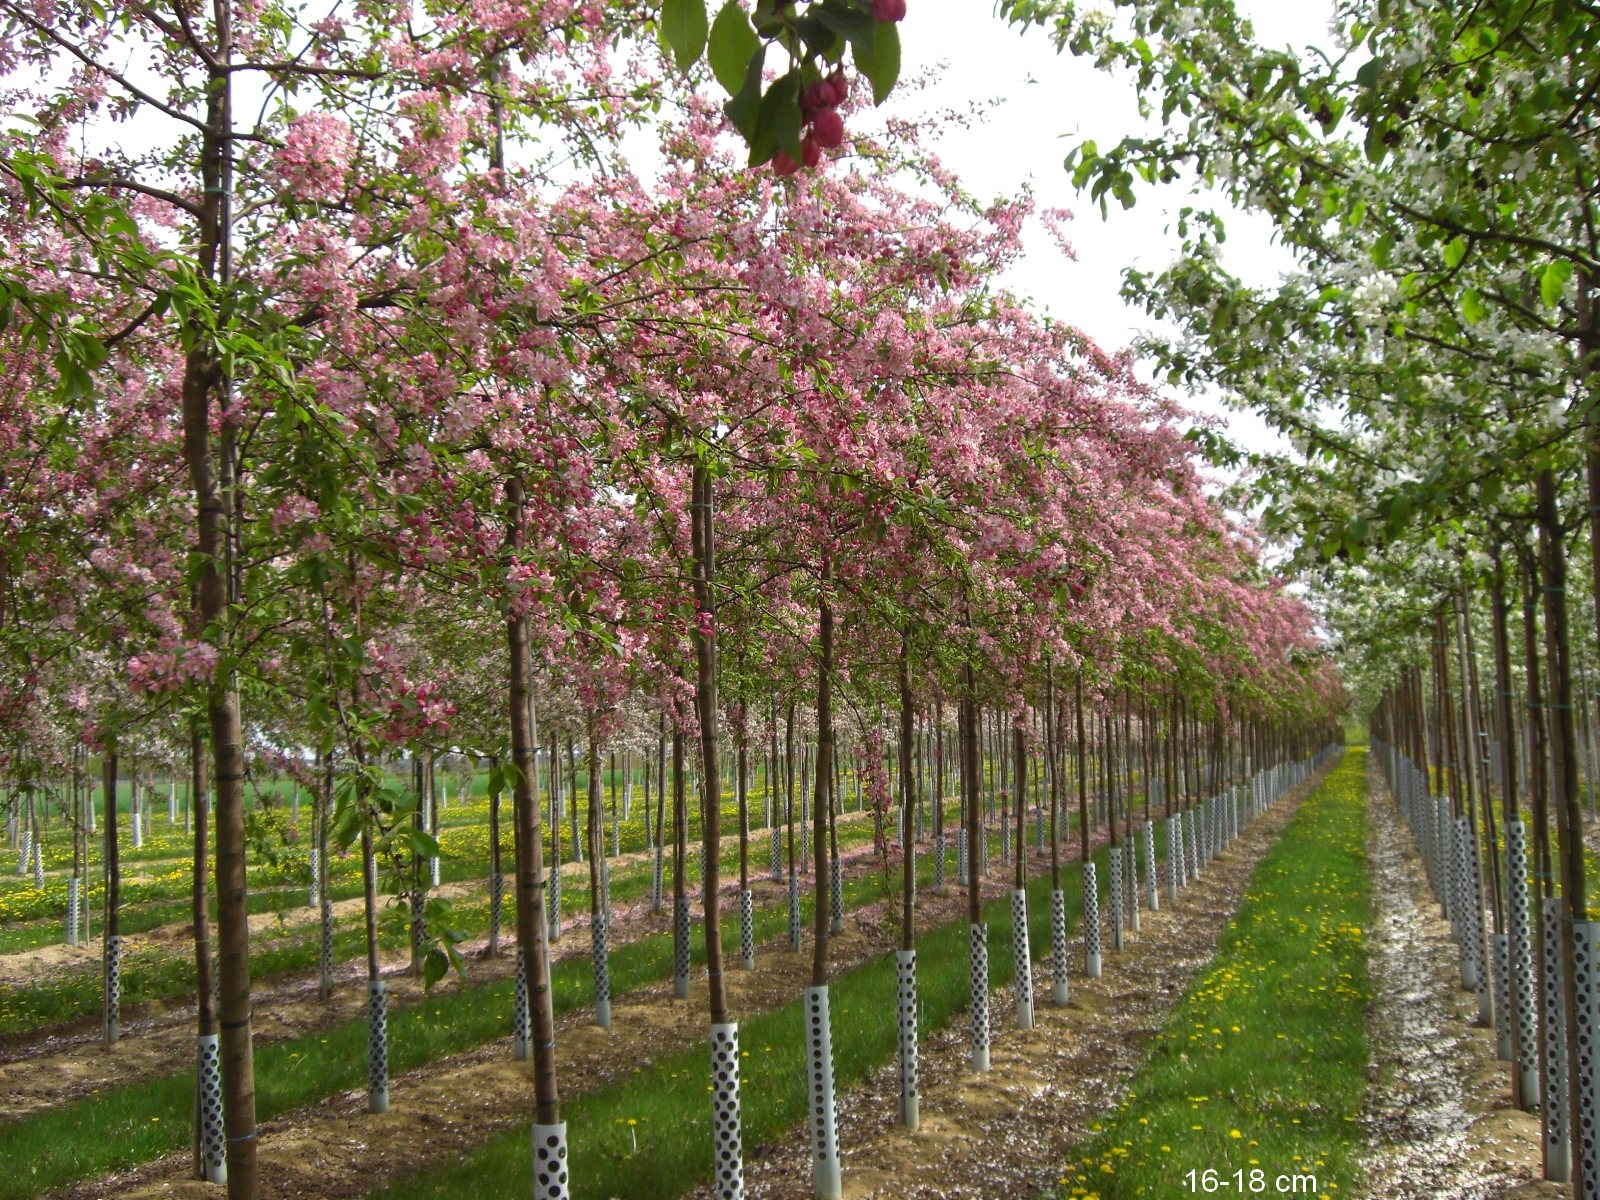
[[1124, 762], [1514, 890]]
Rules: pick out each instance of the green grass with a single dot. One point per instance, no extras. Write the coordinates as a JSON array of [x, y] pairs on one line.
[[133, 1123], [167, 972], [1262, 1065], [665, 1106]]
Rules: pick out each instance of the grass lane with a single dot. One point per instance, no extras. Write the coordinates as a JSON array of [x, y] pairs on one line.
[[1259, 1072]]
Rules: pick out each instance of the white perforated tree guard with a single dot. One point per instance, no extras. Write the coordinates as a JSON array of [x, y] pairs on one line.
[[1443, 858], [680, 947], [1114, 880], [1502, 1007], [377, 1047], [1091, 922], [552, 895], [978, 982], [1586, 989], [497, 898], [521, 1020], [114, 986], [938, 864], [1557, 1145], [208, 1097], [825, 1181], [311, 892], [1021, 957], [1005, 838], [600, 959], [1174, 857], [1130, 863], [1519, 933], [1191, 848], [550, 1181], [905, 968], [74, 899], [702, 875], [1152, 888], [747, 930], [983, 851], [655, 883], [835, 896], [794, 915], [727, 1141], [961, 857], [325, 945], [1469, 905], [1059, 992], [777, 855], [27, 852]]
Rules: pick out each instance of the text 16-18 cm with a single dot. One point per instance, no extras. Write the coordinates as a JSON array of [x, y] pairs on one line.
[[1253, 1180]]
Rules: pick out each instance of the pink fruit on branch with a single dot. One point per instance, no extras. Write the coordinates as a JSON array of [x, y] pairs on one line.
[[828, 128]]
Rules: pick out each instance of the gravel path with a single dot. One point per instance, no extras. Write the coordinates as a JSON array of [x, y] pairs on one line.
[[1438, 1117]]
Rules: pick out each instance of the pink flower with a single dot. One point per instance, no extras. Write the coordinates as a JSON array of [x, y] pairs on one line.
[[315, 156]]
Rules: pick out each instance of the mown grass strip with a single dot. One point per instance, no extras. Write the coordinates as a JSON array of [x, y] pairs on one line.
[[161, 972], [1262, 1065], [136, 1122], [650, 1137]]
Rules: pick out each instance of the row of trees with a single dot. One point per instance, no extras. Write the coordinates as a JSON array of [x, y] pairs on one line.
[[391, 409], [1431, 358]]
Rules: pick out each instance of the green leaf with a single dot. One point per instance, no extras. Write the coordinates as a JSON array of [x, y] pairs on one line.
[[733, 44], [778, 122], [422, 844], [1553, 281], [881, 62], [1454, 251], [434, 967], [684, 24], [1472, 306], [745, 108]]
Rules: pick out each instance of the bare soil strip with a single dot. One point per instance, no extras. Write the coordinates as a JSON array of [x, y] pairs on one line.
[[1438, 1116], [1005, 1134]]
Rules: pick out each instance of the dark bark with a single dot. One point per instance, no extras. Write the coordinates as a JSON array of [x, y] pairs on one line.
[[111, 1030], [532, 930], [824, 786]]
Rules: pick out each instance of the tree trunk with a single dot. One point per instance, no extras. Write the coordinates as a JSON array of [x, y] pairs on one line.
[[704, 637], [531, 926], [824, 781], [908, 855], [111, 1022]]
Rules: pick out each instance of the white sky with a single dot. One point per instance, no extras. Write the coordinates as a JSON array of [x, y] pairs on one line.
[[1049, 104]]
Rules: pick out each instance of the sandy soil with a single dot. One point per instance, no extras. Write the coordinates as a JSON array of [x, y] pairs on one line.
[[1005, 1134], [1439, 1116]]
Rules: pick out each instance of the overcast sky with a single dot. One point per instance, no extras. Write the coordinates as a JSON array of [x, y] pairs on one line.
[[1048, 104]]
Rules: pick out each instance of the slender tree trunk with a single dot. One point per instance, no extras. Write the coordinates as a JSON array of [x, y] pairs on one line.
[[824, 782], [1083, 774], [205, 1004], [532, 930], [704, 637], [111, 927], [974, 810], [908, 855]]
